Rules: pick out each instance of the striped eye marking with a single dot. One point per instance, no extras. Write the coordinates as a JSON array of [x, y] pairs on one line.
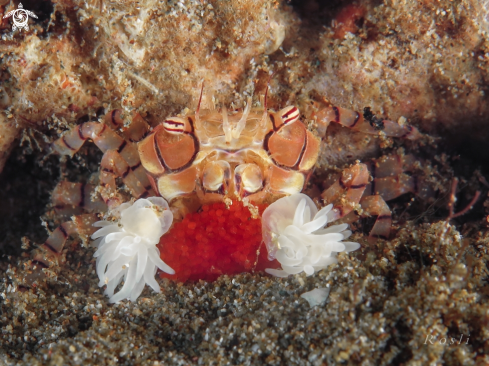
[[289, 115], [174, 125]]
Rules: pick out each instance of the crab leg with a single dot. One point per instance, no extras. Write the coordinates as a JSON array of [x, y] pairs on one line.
[[56, 241], [53, 246], [366, 123], [346, 192], [76, 195], [113, 166], [374, 206], [121, 158], [49, 253], [102, 136], [392, 187], [137, 129], [69, 198], [346, 195], [391, 165], [106, 139], [390, 180]]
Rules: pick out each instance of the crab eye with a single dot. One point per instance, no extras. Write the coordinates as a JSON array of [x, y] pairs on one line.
[[289, 114], [174, 125]]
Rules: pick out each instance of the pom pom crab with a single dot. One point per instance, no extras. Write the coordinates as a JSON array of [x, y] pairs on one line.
[[254, 155]]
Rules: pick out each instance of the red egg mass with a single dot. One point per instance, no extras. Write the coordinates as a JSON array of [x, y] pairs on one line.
[[215, 241]]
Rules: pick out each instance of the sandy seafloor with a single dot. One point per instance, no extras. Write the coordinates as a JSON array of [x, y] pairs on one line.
[[384, 303], [420, 298]]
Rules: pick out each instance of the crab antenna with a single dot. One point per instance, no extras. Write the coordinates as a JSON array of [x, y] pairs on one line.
[[202, 134], [200, 100], [263, 121], [265, 111], [266, 93], [265, 98]]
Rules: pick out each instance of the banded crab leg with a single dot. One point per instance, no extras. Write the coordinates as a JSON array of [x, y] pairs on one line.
[[134, 132], [397, 174], [67, 198], [389, 181], [347, 193], [80, 225], [374, 206], [49, 253], [366, 123], [113, 166], [389, 178], [121, 158], [102, 136], [72, 198]]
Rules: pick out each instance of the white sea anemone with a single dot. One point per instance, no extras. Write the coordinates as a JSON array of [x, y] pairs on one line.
[[127, 247], [295, 234]]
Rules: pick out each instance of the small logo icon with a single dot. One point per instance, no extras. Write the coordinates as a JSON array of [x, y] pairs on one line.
[[20, 16]]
